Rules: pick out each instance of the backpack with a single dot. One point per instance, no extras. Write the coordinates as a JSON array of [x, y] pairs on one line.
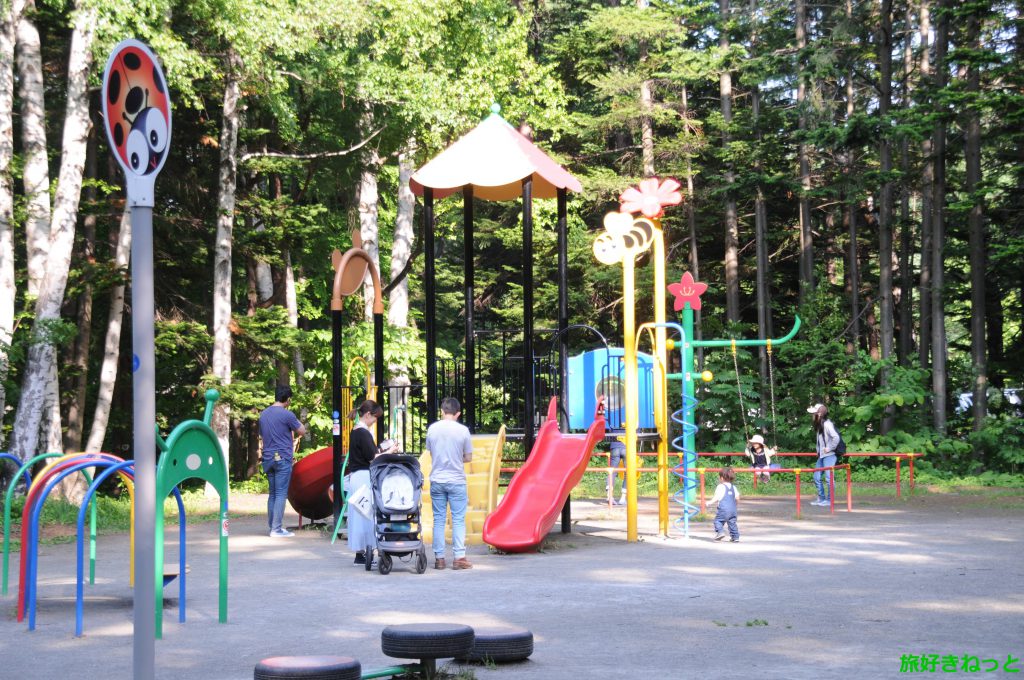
[[841, 446]]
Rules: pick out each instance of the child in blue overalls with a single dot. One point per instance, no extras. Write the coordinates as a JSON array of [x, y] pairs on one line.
[[727, 496]]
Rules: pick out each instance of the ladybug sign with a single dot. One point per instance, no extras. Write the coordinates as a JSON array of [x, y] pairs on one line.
[[137, 115]]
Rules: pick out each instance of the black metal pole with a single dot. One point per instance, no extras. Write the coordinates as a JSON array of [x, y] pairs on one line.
[[431, 309], [383, 397], [469, 408], [528, 311], [336, 408], [563, 324]]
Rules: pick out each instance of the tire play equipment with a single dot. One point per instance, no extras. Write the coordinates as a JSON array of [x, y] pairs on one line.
[[500, 644], [427, 642], [308, 667]]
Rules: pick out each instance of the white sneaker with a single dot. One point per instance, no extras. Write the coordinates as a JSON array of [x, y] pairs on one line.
[[281, 533]]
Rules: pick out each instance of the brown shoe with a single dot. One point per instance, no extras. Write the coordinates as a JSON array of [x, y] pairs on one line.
[[462, 563], [439, 563]]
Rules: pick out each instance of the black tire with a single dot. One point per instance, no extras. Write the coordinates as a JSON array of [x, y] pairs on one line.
[[308, 668], [421, 562], [384, 564], [501, 645], [369, 558], [427, 640]]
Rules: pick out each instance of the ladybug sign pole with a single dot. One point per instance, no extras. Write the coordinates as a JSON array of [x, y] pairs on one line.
[[137, 114]]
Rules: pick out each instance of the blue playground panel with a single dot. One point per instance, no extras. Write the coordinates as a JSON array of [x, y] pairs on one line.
[[601, 371]]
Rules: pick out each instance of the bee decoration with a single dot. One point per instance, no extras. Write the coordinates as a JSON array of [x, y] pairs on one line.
[[624, 235]]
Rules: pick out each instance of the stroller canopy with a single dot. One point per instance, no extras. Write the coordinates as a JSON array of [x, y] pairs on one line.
[[397, 482]]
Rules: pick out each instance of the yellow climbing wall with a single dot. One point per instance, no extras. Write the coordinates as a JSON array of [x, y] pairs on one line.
[[481, 485]]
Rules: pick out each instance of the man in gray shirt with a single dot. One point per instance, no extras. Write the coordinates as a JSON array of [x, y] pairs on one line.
[[450, 446]]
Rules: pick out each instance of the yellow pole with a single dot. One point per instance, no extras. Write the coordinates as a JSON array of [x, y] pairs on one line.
[[660, 383], [632, 408]]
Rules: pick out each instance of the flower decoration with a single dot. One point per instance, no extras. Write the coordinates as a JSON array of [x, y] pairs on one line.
[[650, 198], [687, 290]]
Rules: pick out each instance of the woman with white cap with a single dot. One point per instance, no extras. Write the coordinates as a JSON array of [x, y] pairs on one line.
[[760, 456], [828, 439]]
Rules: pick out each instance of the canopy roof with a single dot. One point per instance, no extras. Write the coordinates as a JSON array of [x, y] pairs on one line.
[[494, 158]]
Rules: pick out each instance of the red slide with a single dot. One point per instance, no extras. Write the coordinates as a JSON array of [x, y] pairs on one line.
[[311, 477], [537, 492]]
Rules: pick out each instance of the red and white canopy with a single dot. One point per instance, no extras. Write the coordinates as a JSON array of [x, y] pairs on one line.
[[494, 158]]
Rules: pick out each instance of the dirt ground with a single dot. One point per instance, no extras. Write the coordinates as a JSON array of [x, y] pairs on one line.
[[848, 595]]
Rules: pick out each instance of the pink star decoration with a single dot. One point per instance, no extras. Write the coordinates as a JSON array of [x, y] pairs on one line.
[[650, 198], [687, 290]]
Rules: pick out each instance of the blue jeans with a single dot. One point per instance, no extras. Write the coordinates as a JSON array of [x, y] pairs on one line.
[[616, 453], [722, 518], [823, 488], [279, 474], [443, 495]]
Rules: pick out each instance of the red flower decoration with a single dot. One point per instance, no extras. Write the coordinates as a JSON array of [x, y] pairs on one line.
[[650, 198], [687, 290]]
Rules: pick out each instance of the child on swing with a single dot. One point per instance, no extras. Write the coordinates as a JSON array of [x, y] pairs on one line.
[[727, 496], [760, 457]]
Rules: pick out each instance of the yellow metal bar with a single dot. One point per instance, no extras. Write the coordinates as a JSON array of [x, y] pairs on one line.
[[660, 380], [632, 398]]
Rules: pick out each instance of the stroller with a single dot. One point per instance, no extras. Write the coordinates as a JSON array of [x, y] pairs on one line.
[[397, 484]]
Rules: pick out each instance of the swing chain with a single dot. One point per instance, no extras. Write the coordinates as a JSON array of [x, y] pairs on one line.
[[739, 389], [771, 388]]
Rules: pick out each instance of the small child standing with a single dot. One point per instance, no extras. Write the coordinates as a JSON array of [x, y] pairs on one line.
[[727, 497]]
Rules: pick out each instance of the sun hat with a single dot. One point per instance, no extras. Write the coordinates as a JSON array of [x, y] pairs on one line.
[[756, 439], [815, 408]]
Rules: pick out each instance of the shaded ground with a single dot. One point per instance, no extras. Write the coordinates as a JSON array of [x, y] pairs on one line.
[[823, 596]]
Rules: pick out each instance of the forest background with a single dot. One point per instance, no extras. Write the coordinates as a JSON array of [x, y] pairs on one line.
[[860, 164]]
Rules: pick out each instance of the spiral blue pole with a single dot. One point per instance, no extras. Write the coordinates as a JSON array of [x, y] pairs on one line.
[[685, 470]]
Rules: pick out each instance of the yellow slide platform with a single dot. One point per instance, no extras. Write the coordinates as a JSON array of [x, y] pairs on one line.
[[482, 486]]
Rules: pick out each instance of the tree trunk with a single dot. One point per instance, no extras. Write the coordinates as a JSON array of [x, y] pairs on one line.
[[646, 109], [732, 229], [42, 354], [927, 195], [33, 135], [939, 350], [36, 178], [976, 229], [691, 221], [906, 294], [226, 184], [112, 341], [885, 254], [80, 349], [8, 24], [368, 228], [806, 237], [401, 246], [850, 219]]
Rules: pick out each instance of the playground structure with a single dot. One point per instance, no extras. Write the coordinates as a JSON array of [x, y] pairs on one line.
[[537, 493], [481, 488], [191, 451], [628, 233]]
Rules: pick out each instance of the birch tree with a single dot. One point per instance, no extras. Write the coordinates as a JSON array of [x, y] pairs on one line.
[[222, 266], [12, 11], [111, 341], [42, 353]]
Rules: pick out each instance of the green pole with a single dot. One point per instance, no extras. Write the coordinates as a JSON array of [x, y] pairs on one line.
[[689, 440]]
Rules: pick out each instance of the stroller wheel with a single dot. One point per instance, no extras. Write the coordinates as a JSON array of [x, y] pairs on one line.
[[384, 564], [369, 557], [421, 561]]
